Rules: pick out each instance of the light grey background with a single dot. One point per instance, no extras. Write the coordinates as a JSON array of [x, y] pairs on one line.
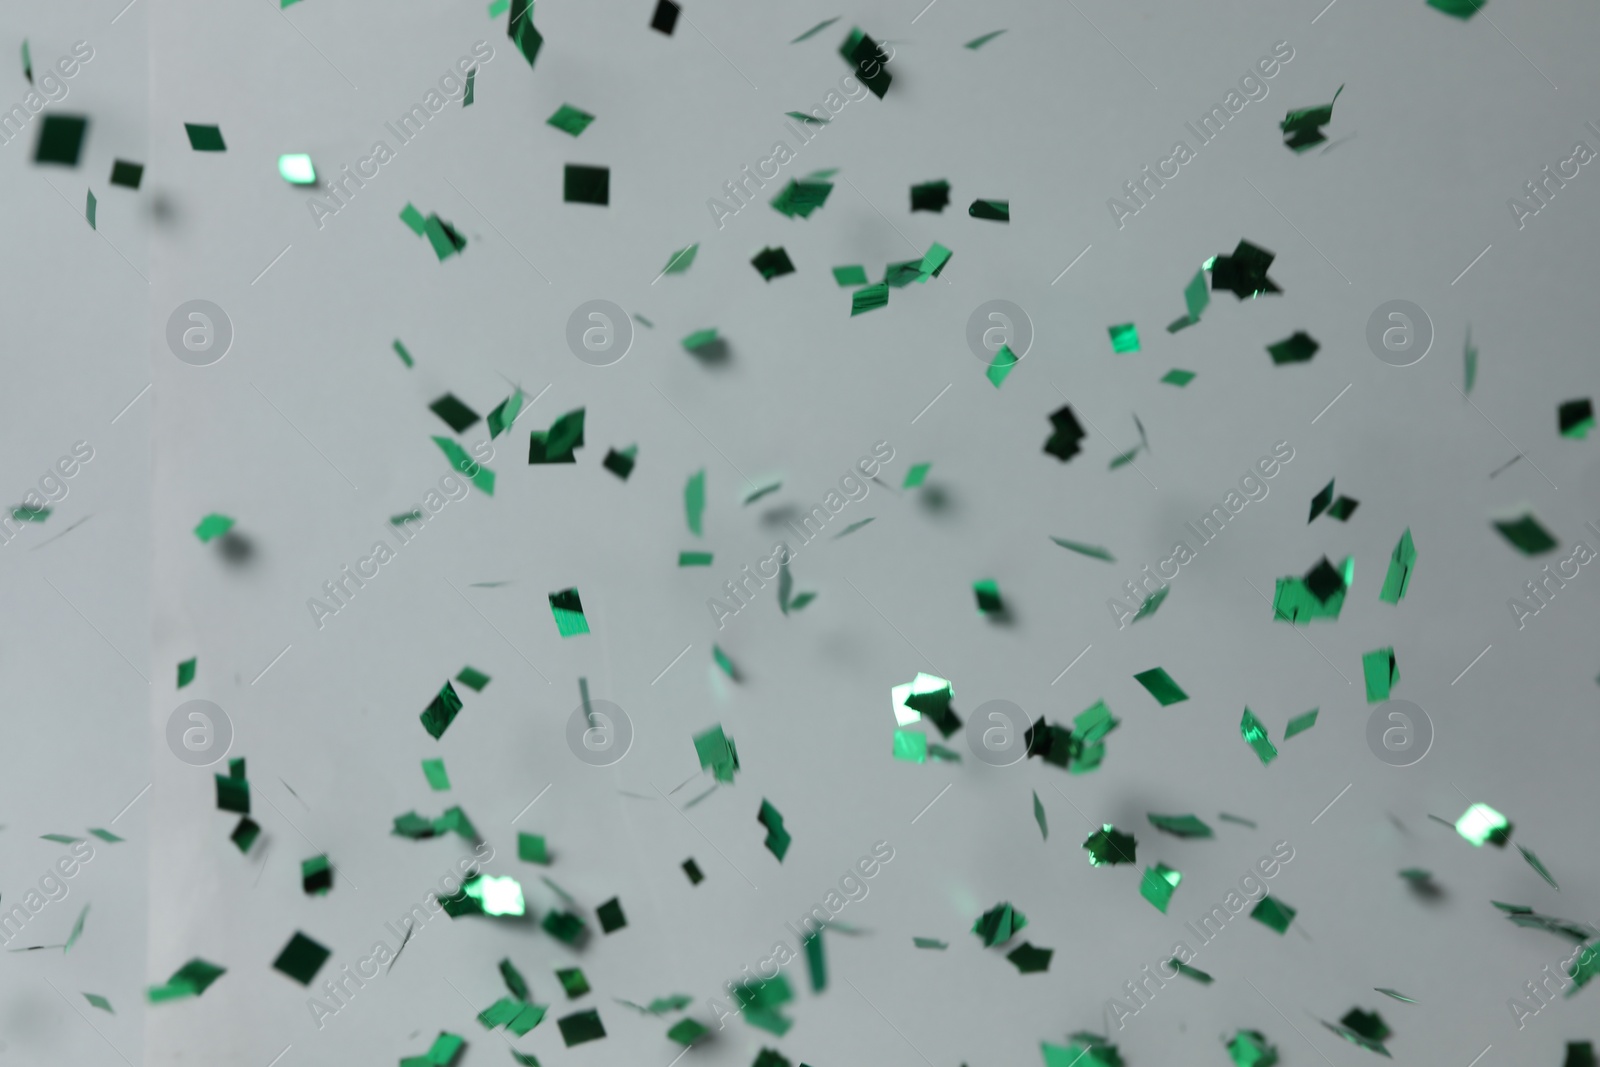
[[311, 433]]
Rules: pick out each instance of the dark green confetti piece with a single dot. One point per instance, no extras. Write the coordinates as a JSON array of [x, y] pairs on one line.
[[244, 835], [1030, 959], [1302, 128], [868, 59], [665, 17], [563, 926], [455, 414], [692, 869], [1343, 508], [1161, 686], [1065, 434], [1575, 418], [400, 349], [1109, 846], [204, 138], [1189, 826], [568, 612], [987, 593], [1461, 9], [531, 848], [441, 712], [772, 263], [978, 42], [1274, 913], [1320, 502], [190, 980], [573, 982], [89, 209], [1394, 995], [778, 838], [930, 196], [802, 196], [1244, 273], [997, 925], [994, 210], [504, 414], [610, 915], [233, 794], [60, 139], [471, 93], [316, 876], [1298, 347], [621, 463], [1526, 534], [520, 30], [586, 185], [301, 958], [581, 1026], [186, 671]]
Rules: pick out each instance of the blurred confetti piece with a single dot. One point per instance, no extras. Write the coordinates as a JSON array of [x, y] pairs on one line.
[[1187, 971], [717, 754], [1300, 724], [244, 835], [997, 925], [1244, 273], [1539, 868], [105, 835], [556, 444], [978, 42], [89, 209], [301, 958], [621, 462], [802, 196], [1250, 1048], [1526, 534], [772, 263], [580, 1027], [504, 414], [77, 929], [1124, 338], [1177, 377], [455, 414], [569, 119], [1382, 672], [686, 1032], [186, 671], [433, 770], [1092, 551], [680, 260], [869, 298], [1574, 418], [1395, 995], [930, 196], [296, 169], [98, 1001], [721, 659], [1029, 959], [930, 942], [778, 838], [1000, 368], [204, 138], [472, 90], [1187, 826], [190, 980], [1150, 606], [852, 528], [692, 870], [1038, 816], [694, 559], [1109, 846], [987, 592], [1469, 364], [1318, 595], [1158, 885], [472, 678], [405, 357], [531, 848], [568, 612], [1225, 817], [868, 59], [1298, 347], [813, 31], [1082, 1050], [993, 210], [1274, 913], [1160, 685], [694, 500], [1302, 127], [316, 876], [126, 174], [1401, 562], [573, 983], [910, 747], [520, 30], [1255, 735], [441, 712], [611, 916], [584, 184], [213, 526], [700, 339], [1461, 9], [850, 276], [916, 474]]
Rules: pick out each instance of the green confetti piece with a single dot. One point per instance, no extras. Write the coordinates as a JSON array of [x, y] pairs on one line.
[[573, 982], [717, 754], [27, 62], [520, 30], [556, 444], [499, 1013], [413, 219], [772, 263], [1298, 347], [531, 848], [405, 357], [1526, 534], [1539, 868], [930, 196], [869, 298], [987, 592], [568, 612], [978, 42], [867, 58], [1196, 296], [441, 711], [498, 8], [1149, 607], [481, 476], [852, 528], [77, 930], [442, 236], [1000, 367], [1030, 959], [993, 210], [1416, 874], [694, 559], [1161, 686], [244, 835], [694, 501], [686, 1032], [587, 185], [610, 916], [1124, 338], [504, 414], [1461, 9], [930, 942], [1481, 824], [204, 138], [296, 169], [503, 896], [1401, 562], [801, 116], [89, 208], [1300, 724], [514, 981], [1187, 971], [446, 1047], [813, 31], [1158, 885], [910, 746], [761, 491], [433, 770], [1225, 817], [692, 869], [1381, 671], [472, 91], [98, 1001], [1318, 595], [316, 876], [1575, 418], [816, 962], [1249, 1048], [621, 463], [455, 414], [1369, 1024], [301, 958], [1302, 127], [105, 835], [233, 794], [680, 260], [186, 671], [1393, 994], [212, 527], [1092, 551], [126, 174], [801, 197], [849, 276], [916, 475], [473, 679], [569, 119], [190, 980], [1187, 826], [1177, 377], [1274, 913], [997, 925], [60, 139], [700, 339], [722, 660], [1109, 846], [60, 839], [1585, 967], [1038, 817], [1469, 364], [1084, 1050], [1255, 735], [778, 838], [580, 1027], [933, 261]]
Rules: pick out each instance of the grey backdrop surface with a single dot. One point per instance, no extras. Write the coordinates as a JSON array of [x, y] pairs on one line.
[[311, 434]]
